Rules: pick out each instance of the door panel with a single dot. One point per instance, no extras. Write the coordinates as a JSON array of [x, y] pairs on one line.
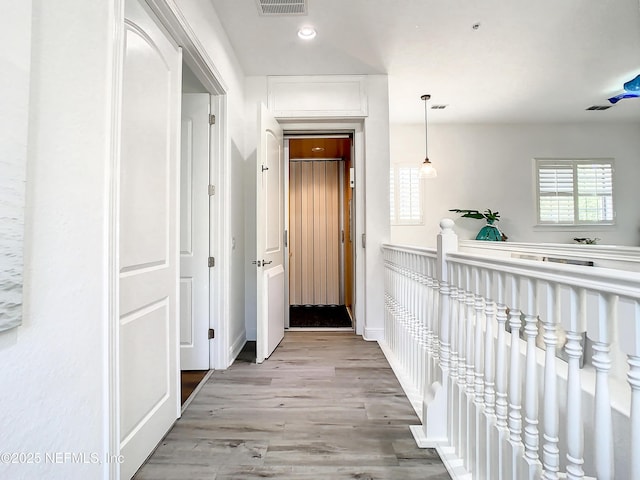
[[194, 232], [314, 220], [148, 247], [269, 235]]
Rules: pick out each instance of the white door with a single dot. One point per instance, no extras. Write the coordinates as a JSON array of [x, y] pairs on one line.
[[194, 233], [270, 279], [148, 237]]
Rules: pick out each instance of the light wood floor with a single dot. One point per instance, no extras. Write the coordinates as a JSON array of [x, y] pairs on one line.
[[324, 406]]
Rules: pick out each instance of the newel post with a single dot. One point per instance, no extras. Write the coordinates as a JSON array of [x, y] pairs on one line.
[[435, 404]]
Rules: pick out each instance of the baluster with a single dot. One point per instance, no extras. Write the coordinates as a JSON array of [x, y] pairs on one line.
[[515, 376], [444, 332], [434, 331], [502, 406], [424, 325], [479, 305], [470, 325], [573, 318], [477, 430], [488, 469], [462, 364], [424, 347], [550, 451], [629, 339], [633, 376], [501, 364], [468, 411], [455, 341], [531, 434], [601, 314], [414, 321]]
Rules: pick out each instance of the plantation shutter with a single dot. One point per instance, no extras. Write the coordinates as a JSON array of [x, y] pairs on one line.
[[595, 192], [555, 189], [575, 191], [404, 195], [409, 195]]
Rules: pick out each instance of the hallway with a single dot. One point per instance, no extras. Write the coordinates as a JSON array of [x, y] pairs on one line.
[[325, 405]]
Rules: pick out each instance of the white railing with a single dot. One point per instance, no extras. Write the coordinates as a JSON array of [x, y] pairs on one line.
[[497, 412]]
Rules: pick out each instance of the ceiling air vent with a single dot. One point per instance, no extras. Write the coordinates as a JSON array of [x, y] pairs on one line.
[[599, 107], [282, 7]]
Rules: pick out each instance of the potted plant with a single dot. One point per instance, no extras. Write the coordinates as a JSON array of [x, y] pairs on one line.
[[489, 231]]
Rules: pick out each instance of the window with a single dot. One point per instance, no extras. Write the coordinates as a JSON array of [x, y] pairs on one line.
[[575, 192], [405, 198]]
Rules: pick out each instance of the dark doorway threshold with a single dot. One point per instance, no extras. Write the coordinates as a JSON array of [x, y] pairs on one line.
[[319, 316]]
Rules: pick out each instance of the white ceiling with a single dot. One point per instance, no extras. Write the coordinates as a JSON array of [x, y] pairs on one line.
[[534, 61]]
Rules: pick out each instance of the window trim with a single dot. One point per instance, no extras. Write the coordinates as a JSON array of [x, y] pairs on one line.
[[394, 217], [573, 162]]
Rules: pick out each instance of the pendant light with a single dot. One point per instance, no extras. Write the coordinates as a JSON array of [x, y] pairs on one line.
[[426, 170]]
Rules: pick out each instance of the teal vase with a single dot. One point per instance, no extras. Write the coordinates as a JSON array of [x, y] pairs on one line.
[[490, 233]]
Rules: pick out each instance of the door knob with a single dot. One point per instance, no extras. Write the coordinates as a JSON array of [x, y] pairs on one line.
[[264, 262]]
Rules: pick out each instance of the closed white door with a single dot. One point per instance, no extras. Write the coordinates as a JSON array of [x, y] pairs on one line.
[[194, 233], [270, 279], [148, 237]]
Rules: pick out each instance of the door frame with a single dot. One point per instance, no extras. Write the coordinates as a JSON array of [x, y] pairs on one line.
[[323, 127], [174, 23], [287, 214]]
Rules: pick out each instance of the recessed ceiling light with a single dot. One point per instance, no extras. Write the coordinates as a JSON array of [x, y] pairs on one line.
[[307, 33], [317, 149]]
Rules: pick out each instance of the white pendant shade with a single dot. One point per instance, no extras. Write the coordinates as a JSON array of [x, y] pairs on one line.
[[427, 170]]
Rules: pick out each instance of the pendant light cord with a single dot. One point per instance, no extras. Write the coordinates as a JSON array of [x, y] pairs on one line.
[[426, 136]]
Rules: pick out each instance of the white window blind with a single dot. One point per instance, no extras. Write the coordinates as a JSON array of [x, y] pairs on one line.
[[574, 192], [405, 198]]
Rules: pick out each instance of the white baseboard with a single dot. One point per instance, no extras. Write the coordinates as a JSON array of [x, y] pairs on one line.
[[373, 334], [412, 394], [236, 346]]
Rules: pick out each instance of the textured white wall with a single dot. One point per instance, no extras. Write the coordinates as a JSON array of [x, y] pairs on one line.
[[53, 373], [491, 166]]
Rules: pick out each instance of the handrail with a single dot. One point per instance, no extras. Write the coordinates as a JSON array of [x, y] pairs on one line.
[[431, 252], [619, 256], [617, 282]]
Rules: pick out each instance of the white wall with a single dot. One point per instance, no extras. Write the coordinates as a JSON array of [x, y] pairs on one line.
[[205, 23], [374, 182], [491, 166], [53, 396]]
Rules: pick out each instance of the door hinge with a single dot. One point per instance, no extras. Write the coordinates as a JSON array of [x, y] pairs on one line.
[[212, 119], [212, 333], [212, 262], [212, 190]]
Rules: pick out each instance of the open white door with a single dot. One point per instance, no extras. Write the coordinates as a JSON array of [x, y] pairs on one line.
[[269, 235], [194, 233], [148, 237]]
